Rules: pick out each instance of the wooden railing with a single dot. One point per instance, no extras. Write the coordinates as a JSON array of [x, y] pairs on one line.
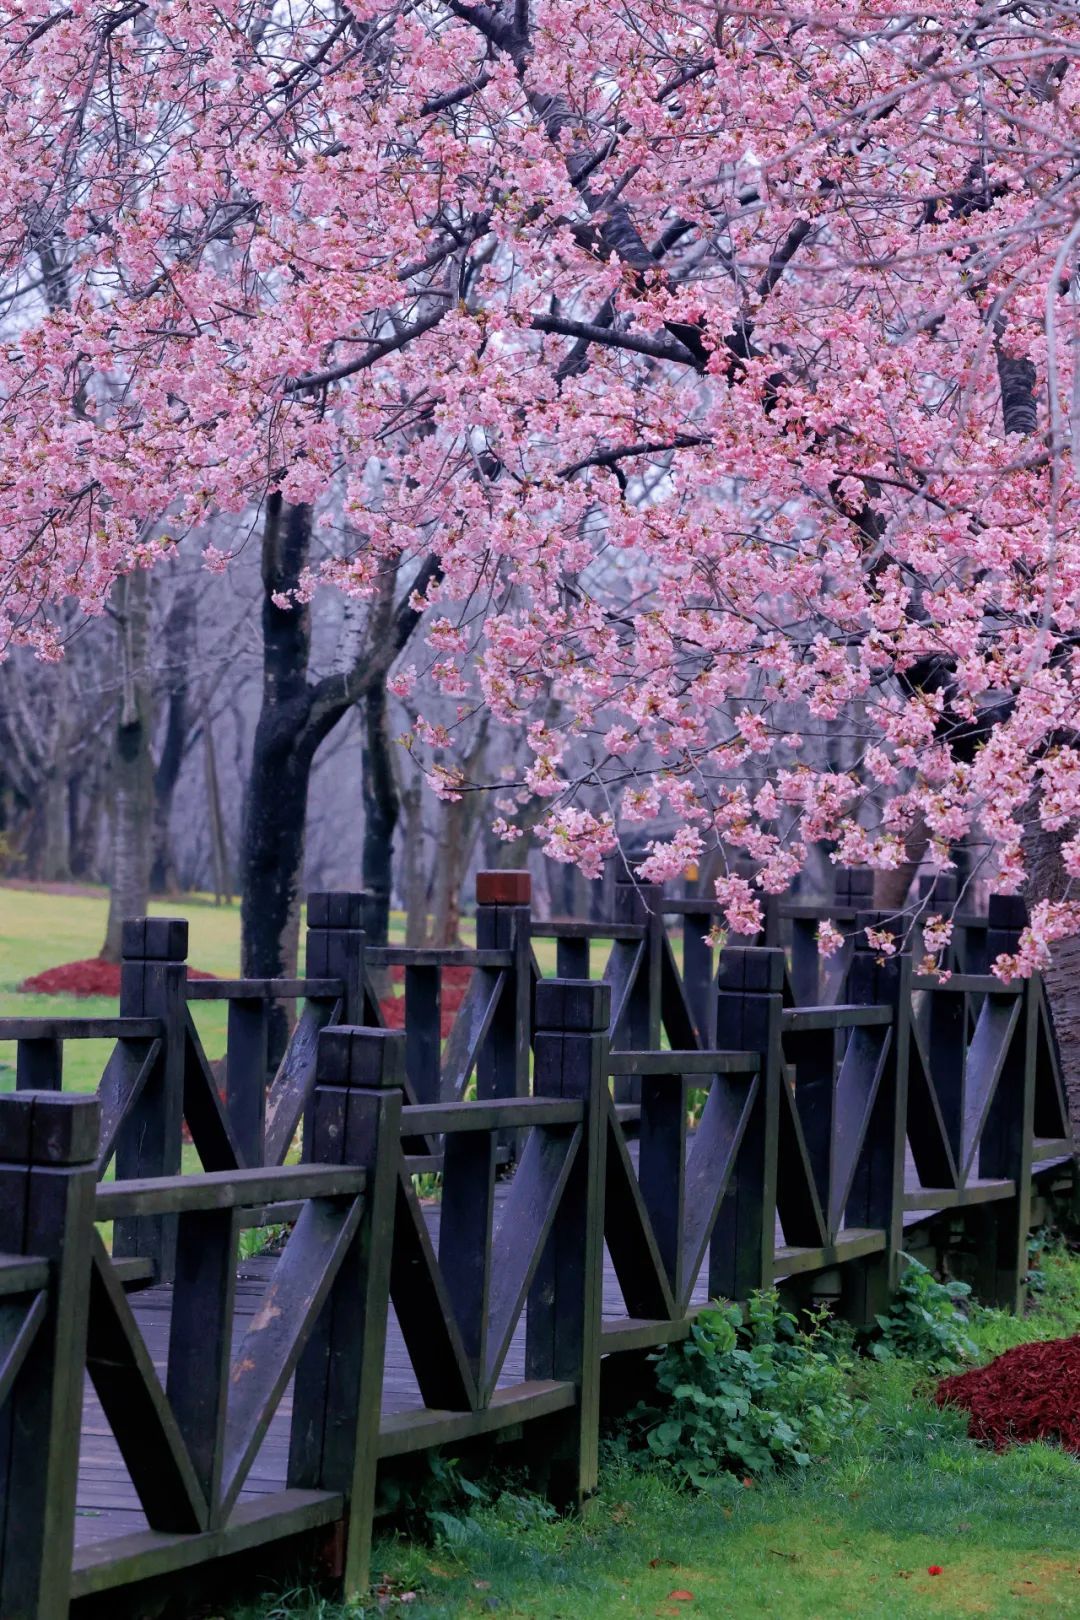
[[609, 1153]]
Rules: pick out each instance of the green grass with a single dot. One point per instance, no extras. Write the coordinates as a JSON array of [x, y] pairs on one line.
[[855, 1536]]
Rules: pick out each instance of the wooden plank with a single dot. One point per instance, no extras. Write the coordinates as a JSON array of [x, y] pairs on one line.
[[424, 1312], [986, 1057], [566, 928], [79, 1029], [136, 1407], [681, 1063], [517, 1244], [39, 1064], [130, 1066], [471, 1025], [273, 1343], [204, 1109], [408, 1432], [851, 1244], [20, 1321], [21, 1274], [926, 1133], [662, 1169], [797, 1198], [106, 1565], [246, 1062], [423, 1039], [292, 1086], [262, 989], [858, 1082], [436, 956], [845, 1015], [465, 1237], [975, 1192], [200, 1338], [676, 1016], [717, 1142], [631, 1243], [961, 984], [500, 1113], [226, 1189]]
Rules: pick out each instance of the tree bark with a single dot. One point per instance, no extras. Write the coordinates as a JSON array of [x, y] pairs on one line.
[[295, 717], [177, 635], [273, 843], [381, 809], [132, 764]]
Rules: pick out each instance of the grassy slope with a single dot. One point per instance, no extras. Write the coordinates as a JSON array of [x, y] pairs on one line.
[[853, 1537]]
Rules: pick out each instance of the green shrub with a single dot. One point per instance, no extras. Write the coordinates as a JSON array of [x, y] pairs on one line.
[[746, 1398], [923, 1323]]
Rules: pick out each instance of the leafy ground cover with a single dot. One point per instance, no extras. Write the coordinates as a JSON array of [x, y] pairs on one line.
[[904, 1517]]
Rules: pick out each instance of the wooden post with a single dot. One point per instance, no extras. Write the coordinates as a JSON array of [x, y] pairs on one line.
[[153, 980], [639, 1025], [504, 923], [565, 1310], [1006, 1150], [877, 1192], [335, 948], [246, 1064], [39, 1064], [48, 1175], [750, 986], [334, 1442], [698, 969]]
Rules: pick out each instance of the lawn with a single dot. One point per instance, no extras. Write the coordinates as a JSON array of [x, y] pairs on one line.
[[855, 1536]]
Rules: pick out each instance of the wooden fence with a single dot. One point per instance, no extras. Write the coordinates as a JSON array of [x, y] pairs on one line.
[[610, 1151]]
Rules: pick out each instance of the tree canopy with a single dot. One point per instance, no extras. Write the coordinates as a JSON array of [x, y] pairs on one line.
[[723, 359]]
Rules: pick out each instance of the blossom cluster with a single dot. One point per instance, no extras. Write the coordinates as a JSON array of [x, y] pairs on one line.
[[727, 360]]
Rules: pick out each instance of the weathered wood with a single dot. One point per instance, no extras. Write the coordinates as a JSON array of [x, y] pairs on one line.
[[46, 1201], [200, 1337], [225, 1189], [263, 989], [339, 1378], [39, 1064], [204, 1108], [501, 1114], [294, 1082], [153, 975], [465, 1233], [79, 1029], [246, 1060], [130, 1066], [564, 1321], [750, 982], [138, 1412]]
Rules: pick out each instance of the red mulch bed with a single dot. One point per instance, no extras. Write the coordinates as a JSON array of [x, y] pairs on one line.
[[90, 978], [455, 982], [1032, 1392]]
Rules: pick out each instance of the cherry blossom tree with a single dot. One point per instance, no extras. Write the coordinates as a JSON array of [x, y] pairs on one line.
[[724, 360]]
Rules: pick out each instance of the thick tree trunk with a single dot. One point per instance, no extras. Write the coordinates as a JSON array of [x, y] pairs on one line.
[[55, 862], [132, 764], [177, 637], [273, 842], [381, 808]]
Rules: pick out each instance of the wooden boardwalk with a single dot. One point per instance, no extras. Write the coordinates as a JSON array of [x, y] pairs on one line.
[[107, 1505]]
